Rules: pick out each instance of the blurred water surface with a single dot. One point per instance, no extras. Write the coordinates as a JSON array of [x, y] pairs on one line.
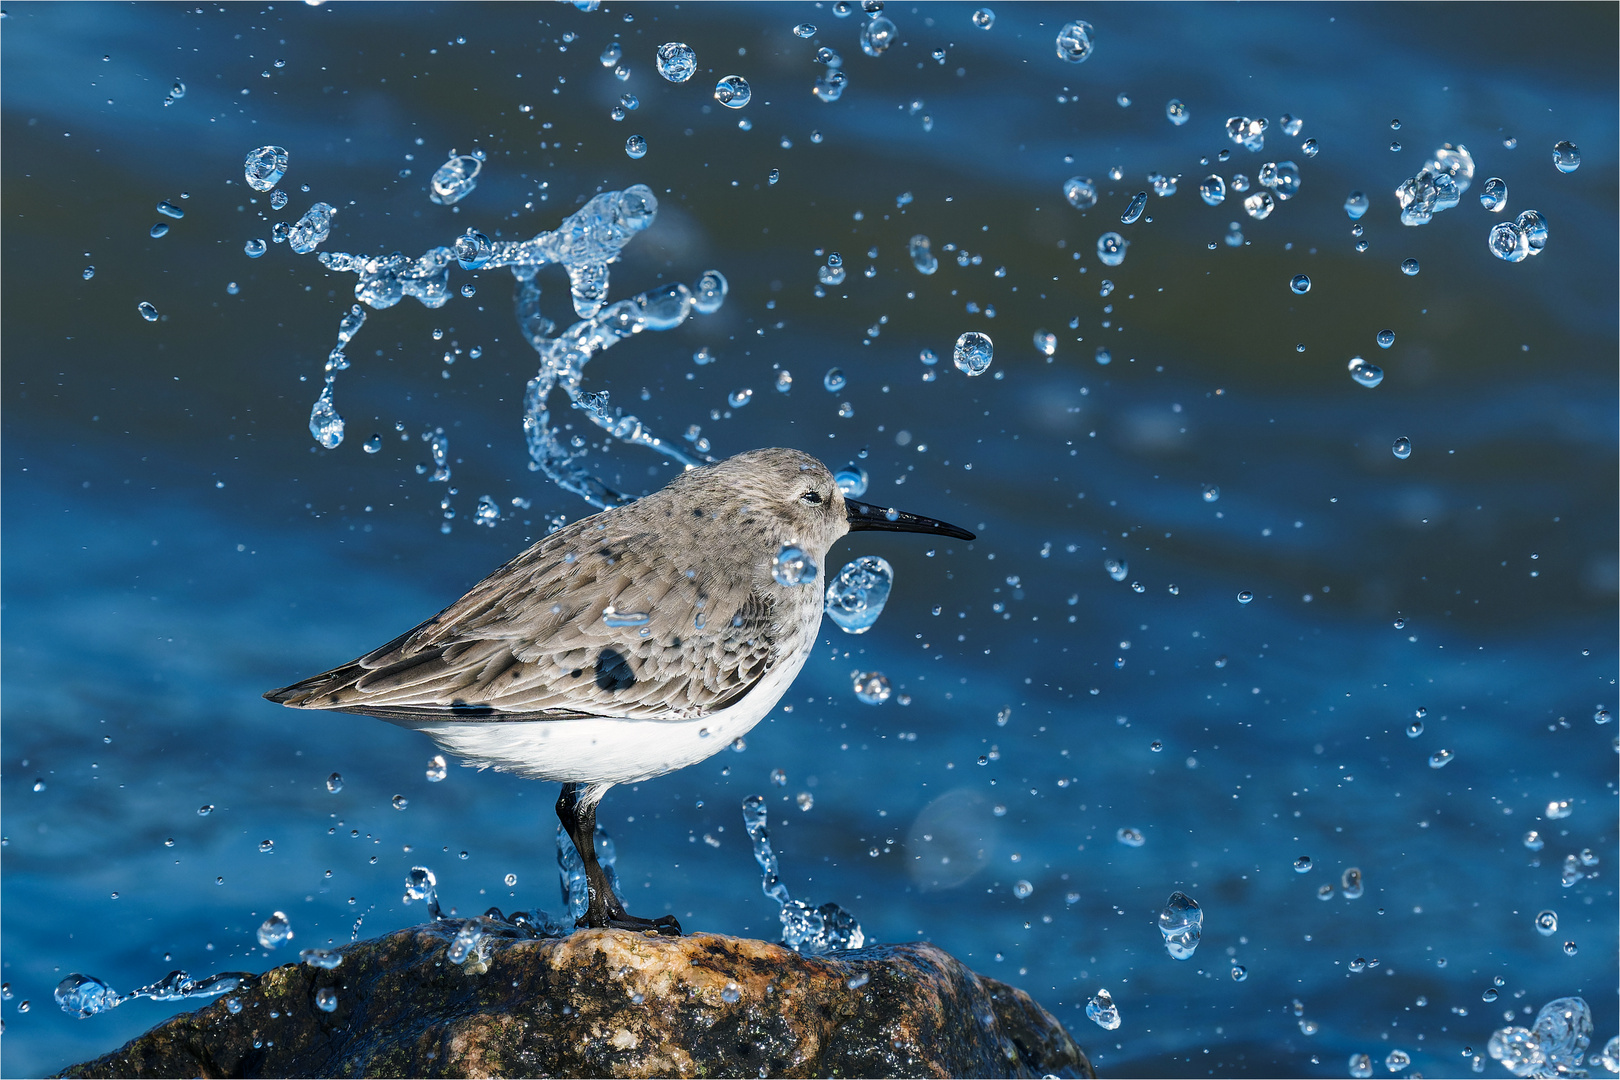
[[175, 543]]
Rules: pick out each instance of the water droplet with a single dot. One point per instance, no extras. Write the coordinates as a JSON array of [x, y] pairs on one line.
[[1045, 343], [1259, 205], [856, 595], [877, 35], [1300, 284], [1248, 133], [834, 380], [312, 229], [334, 783], [1211, 493], [275, 930], [1181, 922], [677, 62], [805, 800], [436, 769], [400, 802], [1533, 840], [1080, 192], [830, 87], [265, 167], [1111, 248], [1566, 156], [922, 257], [1440, 759], [324, 422], [1176, 112], [984, 18], [1245, 596], [1212, 189], [1494, 195], [1547, 923], [635, 146], [851, 481], [1570, 948], [1116, 569], [1534, 229], [1302, 865], [1356, 205], [1074, 42], [1239, 973], [1409, 267], [1368, 375], [773, 176], [148, 312], [1350, 883], [1130, 837], [1134, 210], [1508, 242], [1402, 448], [1310, 148], [793, 566], [83, 996], [1100, 1010], [805, 30], [326, 999], [973, 353], [455, 179], [1022, 889], [1559, 809], [733, 91], [159, 230]]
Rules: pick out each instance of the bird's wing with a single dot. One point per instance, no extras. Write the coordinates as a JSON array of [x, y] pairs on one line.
[[531, 642]]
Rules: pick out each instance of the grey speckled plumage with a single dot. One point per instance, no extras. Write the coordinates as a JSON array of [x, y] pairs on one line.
[[628, 644]]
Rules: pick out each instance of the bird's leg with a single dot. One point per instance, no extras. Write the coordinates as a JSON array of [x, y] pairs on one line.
[[576, 810]]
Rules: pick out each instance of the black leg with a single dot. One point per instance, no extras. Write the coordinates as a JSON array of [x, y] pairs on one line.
[[577, 812]]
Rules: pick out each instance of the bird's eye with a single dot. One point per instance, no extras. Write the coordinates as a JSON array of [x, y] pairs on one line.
[[811, 497]]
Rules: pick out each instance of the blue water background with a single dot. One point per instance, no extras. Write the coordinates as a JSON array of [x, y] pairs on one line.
[[175, 544]]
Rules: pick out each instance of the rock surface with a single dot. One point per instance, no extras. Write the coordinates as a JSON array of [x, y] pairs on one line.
[[611, 1003]]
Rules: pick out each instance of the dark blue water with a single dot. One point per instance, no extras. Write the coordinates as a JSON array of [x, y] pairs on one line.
[[175, 544]]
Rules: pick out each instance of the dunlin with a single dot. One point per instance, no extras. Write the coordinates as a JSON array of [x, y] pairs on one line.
[[624, 646]]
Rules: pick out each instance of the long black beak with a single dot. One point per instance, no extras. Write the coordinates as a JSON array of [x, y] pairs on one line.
[[866, 516]]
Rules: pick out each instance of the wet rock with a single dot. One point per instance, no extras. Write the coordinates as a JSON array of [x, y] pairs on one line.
[[611, 1003]]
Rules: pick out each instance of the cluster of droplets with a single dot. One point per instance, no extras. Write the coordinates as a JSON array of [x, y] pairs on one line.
[[806, 930], [1554, 1045], [1438, 186], [85, 995]]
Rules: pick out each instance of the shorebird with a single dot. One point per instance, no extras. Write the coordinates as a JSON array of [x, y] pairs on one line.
[[624, 646]]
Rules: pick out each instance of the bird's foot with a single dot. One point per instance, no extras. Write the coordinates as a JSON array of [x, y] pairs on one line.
[[665, 926]]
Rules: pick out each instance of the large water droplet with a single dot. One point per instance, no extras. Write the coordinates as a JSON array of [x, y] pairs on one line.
[[84, 996], [1441, 758], [148, 312], [1410, 267], [455, 179], [1074, 42], [871, 688], [793, 566], [324, 422], [635, 147], [1494, 195], [275, 930], [855, 597], [1134, 210], [973, 353], [1534, 228], [877, 35], [733, 92], [1300, 284], [834, 380], [1566, 156], [1181, 922], [1402, 448], [265, 167], [1547, 923], [851, 481], [1176, 112], [1045, 342], [1101, 1011], [1212, 189], [984, 18], [1356, 204], [1508, 242], [1368, 375], [1259, 205], [1111, 248], [1080, 192], [677, 62], [312, 229]]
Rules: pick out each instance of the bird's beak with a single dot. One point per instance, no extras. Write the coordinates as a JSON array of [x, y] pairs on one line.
[[864, 516]]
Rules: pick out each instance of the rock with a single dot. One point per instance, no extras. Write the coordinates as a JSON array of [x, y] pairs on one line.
[[611, 1003]]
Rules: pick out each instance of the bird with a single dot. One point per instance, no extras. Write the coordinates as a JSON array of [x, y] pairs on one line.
[[623, 646]]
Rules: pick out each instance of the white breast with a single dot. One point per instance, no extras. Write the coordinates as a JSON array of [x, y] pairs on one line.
[[615, 751]]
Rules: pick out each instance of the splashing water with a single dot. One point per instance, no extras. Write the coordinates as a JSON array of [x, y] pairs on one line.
[[807, 931], [420, 884], [855, 597], [1182, 923], [584, 244], [85, 996], [1553, 1046]]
